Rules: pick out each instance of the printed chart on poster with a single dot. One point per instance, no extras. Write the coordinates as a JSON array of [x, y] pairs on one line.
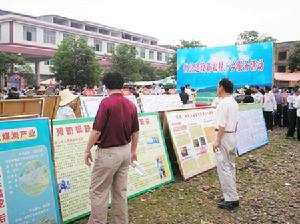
[[251, 129], [73, 176], [193, 135], [26, 173], [156, 103], [90, 105]]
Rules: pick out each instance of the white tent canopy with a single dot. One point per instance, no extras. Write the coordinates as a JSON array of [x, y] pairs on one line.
[[48, 82]]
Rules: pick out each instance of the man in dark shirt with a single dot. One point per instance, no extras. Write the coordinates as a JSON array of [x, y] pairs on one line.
[[115, 126], [183, 95], [248, 98]]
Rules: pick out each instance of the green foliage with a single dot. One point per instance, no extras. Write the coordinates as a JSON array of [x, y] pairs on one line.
[[252, 36], [7, 60], [75, 63], [172, 70], [125, 61], [294, 59], [27, 73]]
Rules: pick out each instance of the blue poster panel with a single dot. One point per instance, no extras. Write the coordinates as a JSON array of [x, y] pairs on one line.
[[203, 68], [251, 129], [27, 184]]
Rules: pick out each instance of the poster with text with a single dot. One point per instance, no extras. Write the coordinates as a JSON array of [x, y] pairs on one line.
[[90, 105], [73, 176], [193, 135], [27, 183], [251, 129], [156, 103]]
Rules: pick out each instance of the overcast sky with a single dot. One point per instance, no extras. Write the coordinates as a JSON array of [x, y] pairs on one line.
[[213, 22]]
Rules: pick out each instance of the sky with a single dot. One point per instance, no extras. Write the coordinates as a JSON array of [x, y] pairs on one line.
[[213, 22]]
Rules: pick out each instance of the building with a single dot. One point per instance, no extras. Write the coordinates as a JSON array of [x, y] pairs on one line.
[[282, 75], [37, 38]]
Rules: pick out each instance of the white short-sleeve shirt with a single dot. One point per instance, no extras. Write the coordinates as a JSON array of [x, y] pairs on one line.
[[227, 114]]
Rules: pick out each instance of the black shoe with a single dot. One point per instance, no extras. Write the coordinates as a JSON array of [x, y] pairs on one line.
[[229, 205]]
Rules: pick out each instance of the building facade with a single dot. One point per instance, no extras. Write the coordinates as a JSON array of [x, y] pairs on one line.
[[37, 38]]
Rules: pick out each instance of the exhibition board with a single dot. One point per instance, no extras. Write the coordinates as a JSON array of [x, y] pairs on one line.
[[251, 129], [70, 138], [27, 173], [90, 105], [192, 133], [155, 103]]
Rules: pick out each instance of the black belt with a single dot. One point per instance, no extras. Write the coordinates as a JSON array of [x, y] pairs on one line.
[[226, 131]]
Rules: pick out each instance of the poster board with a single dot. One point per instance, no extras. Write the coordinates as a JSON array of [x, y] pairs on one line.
[[27, 182], [90, 105], [70, 138], [251, 129], [156, 103], [193, 134]]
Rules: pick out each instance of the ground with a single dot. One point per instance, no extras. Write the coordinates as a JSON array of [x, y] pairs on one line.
[[268, 184]]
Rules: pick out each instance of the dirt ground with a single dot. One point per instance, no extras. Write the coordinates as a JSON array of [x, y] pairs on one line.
[[268, 184]]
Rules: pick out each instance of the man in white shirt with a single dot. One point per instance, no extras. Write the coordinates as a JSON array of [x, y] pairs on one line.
[[257, 96], [189, 92], [297, 105], [292, 114], [226, 119], [269, 106]]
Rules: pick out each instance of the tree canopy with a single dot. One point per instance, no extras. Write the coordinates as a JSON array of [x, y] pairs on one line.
[[294, 59], [172, 70], [7, 60], [252, 36], [74, 63]]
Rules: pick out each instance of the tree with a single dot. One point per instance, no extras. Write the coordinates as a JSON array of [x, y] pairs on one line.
[[27, 73], [125, 61], [252, 36], [7, 62], [147, 71], [172, 70], [74, 63], [294, 59]]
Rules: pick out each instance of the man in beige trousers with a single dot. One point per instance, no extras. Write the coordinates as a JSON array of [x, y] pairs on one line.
[[115, 127], [226, 119]]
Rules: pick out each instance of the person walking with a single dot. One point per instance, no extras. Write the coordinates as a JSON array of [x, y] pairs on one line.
[[297, 105], [115, 127], [226, 118], [284, 104], [292, 114], [278, 113], [269, 106], [183, 95]]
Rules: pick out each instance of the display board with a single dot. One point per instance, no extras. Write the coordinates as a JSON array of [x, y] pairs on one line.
[[27, 183], [91, 104], [70, 139], [204, 67], [193, 135], [251, 129], [155, 103]]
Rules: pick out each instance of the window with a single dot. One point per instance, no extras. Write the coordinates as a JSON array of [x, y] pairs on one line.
[[29, 33], [282, 56], [159, 56], [110, 47], [49, 36], [48, 62], [151, 55], [142, 53], [97, 45], [281, 68], [66, 35]]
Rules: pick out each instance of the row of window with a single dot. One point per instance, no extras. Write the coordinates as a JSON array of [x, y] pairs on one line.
[[29, 34]]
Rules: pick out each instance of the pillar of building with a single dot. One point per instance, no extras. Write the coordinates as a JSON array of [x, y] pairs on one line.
[[37, 72]]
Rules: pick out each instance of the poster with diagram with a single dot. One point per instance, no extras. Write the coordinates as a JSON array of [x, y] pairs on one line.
[[26, 173], [73, 176], [193, 134]]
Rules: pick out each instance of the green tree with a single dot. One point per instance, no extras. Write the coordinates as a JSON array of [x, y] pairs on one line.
[[252, 36], [125, 61], [172, 70], [7, 62], [294, 59], [74, 63], [147, 71], [27, 73]]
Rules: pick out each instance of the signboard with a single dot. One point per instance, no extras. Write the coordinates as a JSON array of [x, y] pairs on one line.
[[204, 67], [27, 183], [91, 104], [193, 135], [251, 129], [70, 139], [155, 103]]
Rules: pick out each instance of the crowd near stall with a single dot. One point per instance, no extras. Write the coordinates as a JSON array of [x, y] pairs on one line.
[[44, 131]]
